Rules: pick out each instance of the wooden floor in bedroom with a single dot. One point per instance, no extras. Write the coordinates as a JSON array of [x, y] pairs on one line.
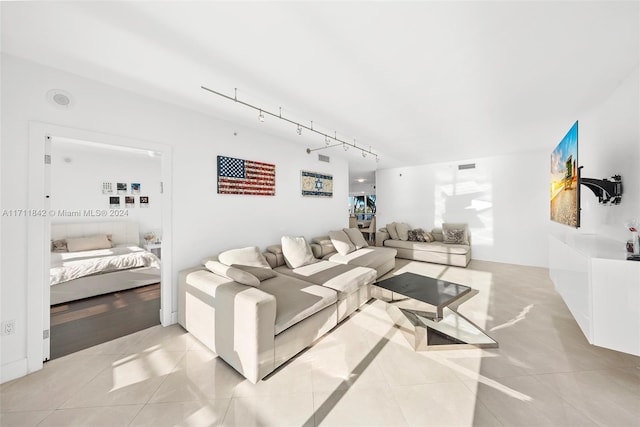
[[82, 324]]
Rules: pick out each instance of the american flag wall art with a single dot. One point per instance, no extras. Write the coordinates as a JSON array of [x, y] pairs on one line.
[[238, 176]]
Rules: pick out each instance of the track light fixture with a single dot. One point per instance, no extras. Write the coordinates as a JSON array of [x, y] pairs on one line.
[[327, 138]]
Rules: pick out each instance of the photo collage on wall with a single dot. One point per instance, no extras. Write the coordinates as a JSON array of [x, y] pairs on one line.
[[129, 191]]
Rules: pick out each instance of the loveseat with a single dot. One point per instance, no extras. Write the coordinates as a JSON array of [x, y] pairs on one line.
[[450, 245], [257, 310]]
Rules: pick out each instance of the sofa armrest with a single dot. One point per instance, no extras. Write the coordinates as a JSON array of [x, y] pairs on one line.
[[381, 236], [235, 321]]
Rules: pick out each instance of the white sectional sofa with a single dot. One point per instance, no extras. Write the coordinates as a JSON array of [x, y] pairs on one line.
[[439, 251], [257, 310]]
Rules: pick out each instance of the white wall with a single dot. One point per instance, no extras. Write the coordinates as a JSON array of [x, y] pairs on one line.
[[204, 222], [504, 200], [609, 144], [77, 174]]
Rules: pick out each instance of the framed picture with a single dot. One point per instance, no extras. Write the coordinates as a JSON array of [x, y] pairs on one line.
[[129, 201], [122, 187], [316, 184], [114, 202], [107, 188], [135, 188], [144, 201]]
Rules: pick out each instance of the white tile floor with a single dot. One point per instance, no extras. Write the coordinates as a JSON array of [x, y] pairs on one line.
[[365, 372]]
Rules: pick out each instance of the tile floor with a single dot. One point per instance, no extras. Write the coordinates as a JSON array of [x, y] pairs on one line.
[[364, 372]]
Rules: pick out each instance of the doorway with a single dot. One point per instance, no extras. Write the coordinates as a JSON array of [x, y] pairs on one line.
[[39, 229]]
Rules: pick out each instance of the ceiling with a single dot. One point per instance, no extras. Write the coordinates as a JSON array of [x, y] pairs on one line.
[[418, 82]]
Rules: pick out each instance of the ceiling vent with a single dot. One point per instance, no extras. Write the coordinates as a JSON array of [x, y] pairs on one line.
[[324, 158], [467, 166]]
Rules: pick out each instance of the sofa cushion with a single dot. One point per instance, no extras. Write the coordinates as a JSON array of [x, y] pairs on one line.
[[403, 231], [366, 257], [341, 242], [393, 232], [296, 299], [356, 237], [296, 252], [437, 234], [232, 273], [343, 278], [429, 247], [447, 226], [244, 256]]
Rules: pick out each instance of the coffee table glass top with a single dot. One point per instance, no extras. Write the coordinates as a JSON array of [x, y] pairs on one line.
[[436, 292]]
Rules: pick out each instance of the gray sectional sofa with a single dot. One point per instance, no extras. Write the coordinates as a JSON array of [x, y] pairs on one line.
[[439, 251], [257, 310]]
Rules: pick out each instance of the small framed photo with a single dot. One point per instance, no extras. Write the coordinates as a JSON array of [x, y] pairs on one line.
[[144, 201], [114, 202], [135, 188], [129, 201], [107, 188], [122, 187]]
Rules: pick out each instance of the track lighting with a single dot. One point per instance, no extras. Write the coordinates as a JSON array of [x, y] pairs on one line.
[[327, 139]]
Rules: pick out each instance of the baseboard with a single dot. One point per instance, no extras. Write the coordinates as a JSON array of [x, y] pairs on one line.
[[13, 370], [172, 318]]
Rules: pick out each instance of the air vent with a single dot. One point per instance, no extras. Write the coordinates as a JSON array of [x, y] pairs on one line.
[[467, 166], [324, 158]]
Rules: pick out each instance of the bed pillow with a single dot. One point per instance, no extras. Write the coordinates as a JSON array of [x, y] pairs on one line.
[[341, 242], [356, 237], [250, 256], [98, 241], [296, 251], [59, 246], [393, 233], [233, 273], [451, 233], [403, 231]]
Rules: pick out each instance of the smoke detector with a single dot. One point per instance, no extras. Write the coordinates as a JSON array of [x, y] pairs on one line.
[[60, 99]]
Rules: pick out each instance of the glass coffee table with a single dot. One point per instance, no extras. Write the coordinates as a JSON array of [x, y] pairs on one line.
[[427, 306]]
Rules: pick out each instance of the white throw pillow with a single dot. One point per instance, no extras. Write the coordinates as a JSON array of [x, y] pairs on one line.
[[341, 242], [244, 256], [403, 231], [391, 229], [296, 251], [356, 237], [99, 241], [233, 273]]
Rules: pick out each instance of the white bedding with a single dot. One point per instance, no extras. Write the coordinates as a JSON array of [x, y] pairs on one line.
[[67, 266]]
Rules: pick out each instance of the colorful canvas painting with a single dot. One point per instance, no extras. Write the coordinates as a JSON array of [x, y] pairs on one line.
[[564, 185], [238, 176], [316, 184]]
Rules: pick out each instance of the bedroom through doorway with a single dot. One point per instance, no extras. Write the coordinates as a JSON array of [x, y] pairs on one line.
[[106, 242]]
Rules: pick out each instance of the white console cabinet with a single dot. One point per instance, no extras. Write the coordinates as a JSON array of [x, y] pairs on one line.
[[600, 287]]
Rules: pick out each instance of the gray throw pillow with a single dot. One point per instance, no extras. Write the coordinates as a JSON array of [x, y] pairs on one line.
[[403, 231], [393, 233], [260, 273], [232, 273], [454, 235], [356, 237]]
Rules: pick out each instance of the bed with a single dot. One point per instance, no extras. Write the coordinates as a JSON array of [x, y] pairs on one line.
[[101, 258]]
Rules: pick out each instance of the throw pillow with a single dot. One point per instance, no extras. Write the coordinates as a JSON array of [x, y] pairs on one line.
[[99, 241], [457, 226], [428, 237], [454, 235], [393, 233], [403, 231], [59, 246], [297, 252], [417, 235], [356, 237], [233, 273], [244, 256], [260, 272], [341, 242]]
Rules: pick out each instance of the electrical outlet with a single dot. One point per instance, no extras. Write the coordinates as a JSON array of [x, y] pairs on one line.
[[8, 327]]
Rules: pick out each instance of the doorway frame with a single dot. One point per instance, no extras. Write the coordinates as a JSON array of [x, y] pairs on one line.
[[39, 230]]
